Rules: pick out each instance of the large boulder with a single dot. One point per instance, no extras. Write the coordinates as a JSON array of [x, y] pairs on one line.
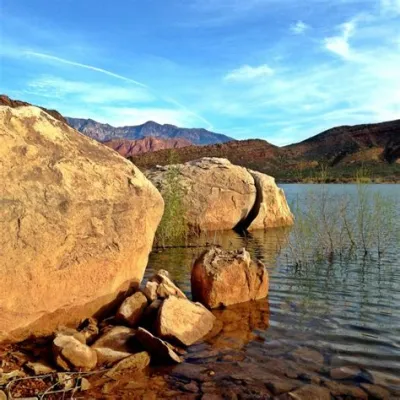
[[222, 278], [77, 223], [271, 209], [182, 321], [218, 195]]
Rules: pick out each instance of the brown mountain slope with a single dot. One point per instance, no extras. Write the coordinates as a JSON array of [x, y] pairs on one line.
[[348, 143], [253, 153], [343, 150], [6, 101], [129, 148]]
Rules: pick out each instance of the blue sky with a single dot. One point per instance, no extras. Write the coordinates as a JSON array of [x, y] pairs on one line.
[[281, 70]]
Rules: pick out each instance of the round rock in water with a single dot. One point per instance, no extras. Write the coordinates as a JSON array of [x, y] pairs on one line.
[[222, 278]]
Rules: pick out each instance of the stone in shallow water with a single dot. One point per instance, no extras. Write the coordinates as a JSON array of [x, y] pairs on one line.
[[278, 386], [376, 392], [308, 355], [339, 389], [183, 321], [135, 362], [345, 373], [159, 349], [311, 392], [131, 310], [223, 278]]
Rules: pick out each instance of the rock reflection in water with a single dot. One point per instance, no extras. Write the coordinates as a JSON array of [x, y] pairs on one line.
[[238, 324], [263, 245]]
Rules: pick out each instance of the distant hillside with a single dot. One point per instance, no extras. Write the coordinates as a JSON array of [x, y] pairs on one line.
[[6, 101], [129, 148], [340, 151], [105, 132], [251, 153], [342, 144]]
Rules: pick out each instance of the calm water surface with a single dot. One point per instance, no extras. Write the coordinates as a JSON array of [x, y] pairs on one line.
[[347, 310]]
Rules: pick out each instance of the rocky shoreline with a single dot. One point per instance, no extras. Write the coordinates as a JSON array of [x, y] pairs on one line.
[[160, 345]]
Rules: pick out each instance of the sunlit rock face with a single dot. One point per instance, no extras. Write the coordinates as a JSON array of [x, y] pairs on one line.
[[222, 278], [77, 223], [218, 195]]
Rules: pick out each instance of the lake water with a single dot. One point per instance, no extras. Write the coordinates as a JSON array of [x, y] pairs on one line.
[[348, 311]]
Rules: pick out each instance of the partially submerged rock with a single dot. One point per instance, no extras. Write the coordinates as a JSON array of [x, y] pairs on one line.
[[135, 362], [76, 228], [218, 195], [222, 278], [155, 346], [132, 308], [309, 392], [69, 354], [271, 208], [182, 321]]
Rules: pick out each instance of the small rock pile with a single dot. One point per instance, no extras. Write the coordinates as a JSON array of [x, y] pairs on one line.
[[150, 323]]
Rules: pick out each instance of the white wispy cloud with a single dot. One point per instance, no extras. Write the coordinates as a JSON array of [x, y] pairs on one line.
[[248, 73], [85, 66], [89, 92], [183, 108], [299, 27], [340, 44], [392, 6]]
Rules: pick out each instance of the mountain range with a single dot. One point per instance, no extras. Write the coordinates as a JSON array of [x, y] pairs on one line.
[[337, 154], [130, 148], [106, 132], [342, 151]]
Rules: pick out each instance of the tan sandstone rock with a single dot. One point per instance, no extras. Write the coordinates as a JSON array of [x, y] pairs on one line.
[[114, 345], [69, 353], [135, 362], [221, 196], [222, 278], [182, 321], [132, 308], [161, 350], [271, 209], [77, 224], [165, 286], [218, 194]]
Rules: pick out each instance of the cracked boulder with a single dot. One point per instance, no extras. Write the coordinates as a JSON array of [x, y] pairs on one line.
[[271, 209], [221, 278], [77, 223], [218, 195]]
